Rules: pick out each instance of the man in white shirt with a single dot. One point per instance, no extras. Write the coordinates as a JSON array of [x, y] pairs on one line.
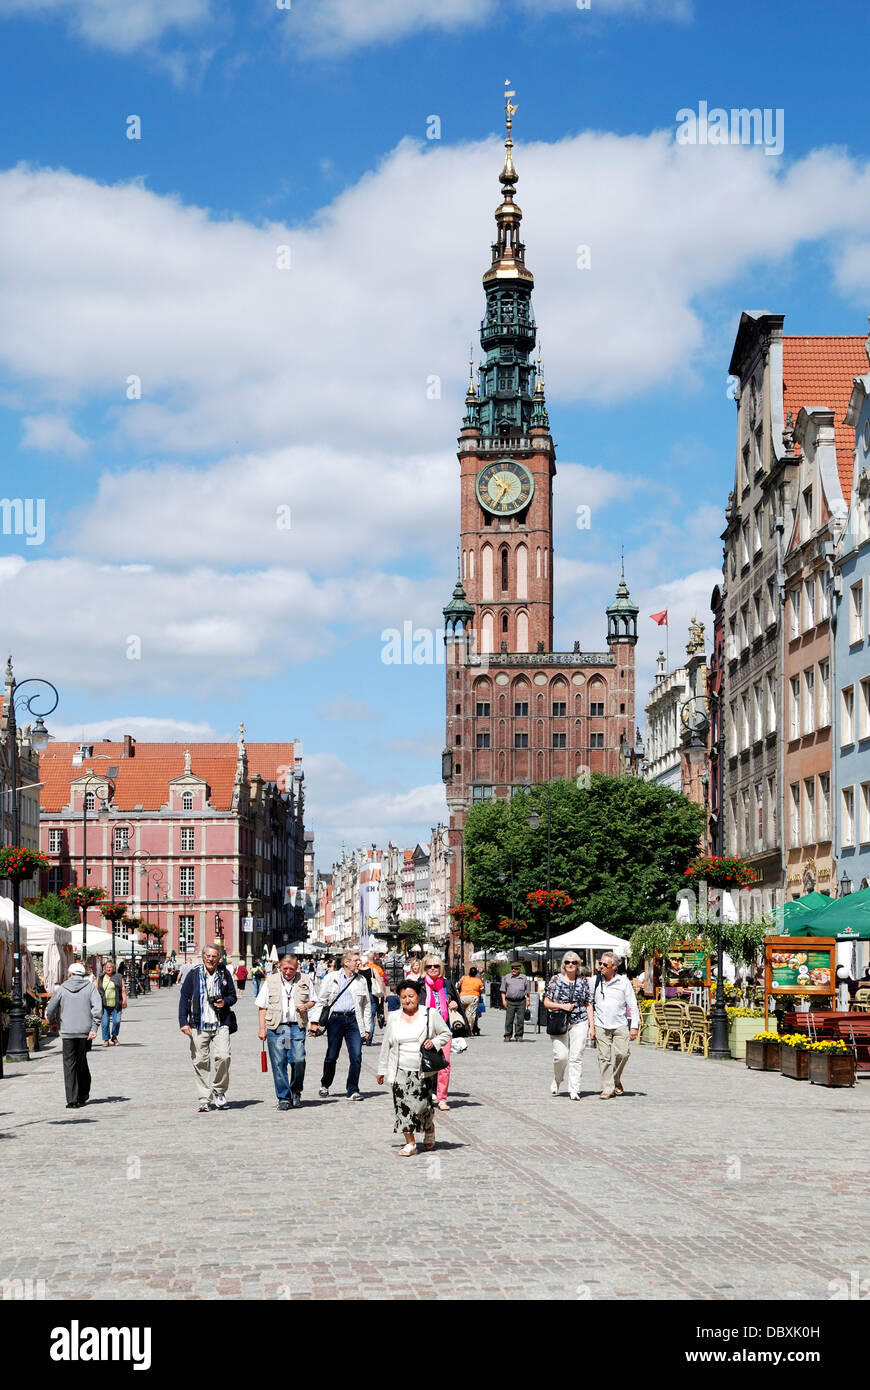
[[283, 1001], [617, 1019]]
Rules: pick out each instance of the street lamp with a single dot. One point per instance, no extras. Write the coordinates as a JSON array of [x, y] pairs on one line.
[[16, 1050], [845, 886], [534, 821], [105, 801], [450, 856], [123, 848]]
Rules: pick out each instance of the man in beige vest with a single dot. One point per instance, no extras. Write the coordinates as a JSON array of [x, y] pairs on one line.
[[283, 1001]]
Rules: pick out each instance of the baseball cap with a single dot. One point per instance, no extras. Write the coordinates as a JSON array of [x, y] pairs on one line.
[[77, 970]]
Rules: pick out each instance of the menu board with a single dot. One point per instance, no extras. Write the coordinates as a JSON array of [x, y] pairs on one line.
[[801, 965], [687, 966]]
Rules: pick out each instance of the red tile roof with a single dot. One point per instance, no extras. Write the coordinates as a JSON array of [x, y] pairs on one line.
[[818, 370], [144, 778]]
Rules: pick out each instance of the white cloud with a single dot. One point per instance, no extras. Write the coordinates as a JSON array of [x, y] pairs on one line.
[[337, 27], [341, 807], [52, 434], [141, 629], [143, 727], [119, 25]]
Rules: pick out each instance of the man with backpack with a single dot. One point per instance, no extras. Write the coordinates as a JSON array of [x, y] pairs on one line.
[[617, 1019]]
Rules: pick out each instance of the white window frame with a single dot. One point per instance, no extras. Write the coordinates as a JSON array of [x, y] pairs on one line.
[[847, 715], [795, 627], [794, 707], [823, 808], [187, 881], [863, 712], [186, 933], [771, 702], [808, 723], [794, 819], [55, 841], [864, 813], [188, 839], [847, 816], [121, 883], [810, 605], [856, 613], [823, 696], [808, 822]]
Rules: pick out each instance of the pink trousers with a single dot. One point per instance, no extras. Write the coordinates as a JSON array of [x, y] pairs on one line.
[[443, 1077]]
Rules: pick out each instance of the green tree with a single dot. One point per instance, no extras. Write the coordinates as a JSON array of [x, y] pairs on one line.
[[619, 847], [54, 909]]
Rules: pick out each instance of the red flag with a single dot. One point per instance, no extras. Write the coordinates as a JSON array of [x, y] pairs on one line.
[[660, 618]]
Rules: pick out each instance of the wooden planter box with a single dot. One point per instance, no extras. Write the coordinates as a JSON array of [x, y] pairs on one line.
[[762, 1056], [832, 1068], [794, 1062]]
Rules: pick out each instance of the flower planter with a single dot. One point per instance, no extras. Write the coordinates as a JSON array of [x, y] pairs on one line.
[[32, 1039], [832, 1068], [649, 1032], [740, 1032], [761, 1056], [794, 1062]]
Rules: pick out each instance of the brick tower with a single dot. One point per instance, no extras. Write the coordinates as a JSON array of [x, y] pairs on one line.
[[517, 712]]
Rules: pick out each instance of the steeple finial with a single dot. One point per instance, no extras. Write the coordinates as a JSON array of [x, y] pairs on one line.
[[508, 173]]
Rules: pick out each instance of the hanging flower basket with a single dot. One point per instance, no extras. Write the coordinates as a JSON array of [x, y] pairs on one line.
[[113, 912], [720, 872], [81, 896], [513, 924], [465, 913], [131, 924], [556, 899], [18, 863]]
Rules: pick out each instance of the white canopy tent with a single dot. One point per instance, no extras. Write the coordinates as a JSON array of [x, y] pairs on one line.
[[52, 942], [7, 964], [587, 937], [100, 942]]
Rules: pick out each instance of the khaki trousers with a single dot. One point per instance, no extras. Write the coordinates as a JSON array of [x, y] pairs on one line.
[[469, 1003], [612, 1046], [209, 1050]]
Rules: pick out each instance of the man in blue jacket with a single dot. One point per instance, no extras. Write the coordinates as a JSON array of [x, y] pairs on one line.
[[204, 1015]]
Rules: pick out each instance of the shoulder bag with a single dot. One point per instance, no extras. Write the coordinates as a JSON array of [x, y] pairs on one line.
[[557, 1019], [432, 1059], [328, 1008]]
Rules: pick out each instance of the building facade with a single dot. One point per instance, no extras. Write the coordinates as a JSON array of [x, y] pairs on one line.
[[851, 658], [518, 713], [203, 841], [777, 375], [664, 728]]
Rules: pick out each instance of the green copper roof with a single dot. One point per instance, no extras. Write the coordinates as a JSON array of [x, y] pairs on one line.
[[623, 603], [459, 607]]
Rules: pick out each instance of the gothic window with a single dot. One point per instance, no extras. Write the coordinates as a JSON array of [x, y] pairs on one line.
[[504, 622], [522, 632], [504, 574], [522, 563]]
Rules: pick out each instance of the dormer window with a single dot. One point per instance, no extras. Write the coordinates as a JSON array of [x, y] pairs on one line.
[[187, 801]]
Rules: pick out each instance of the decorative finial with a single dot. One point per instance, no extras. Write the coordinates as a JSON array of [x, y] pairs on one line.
[[509, 110], [622, 560]]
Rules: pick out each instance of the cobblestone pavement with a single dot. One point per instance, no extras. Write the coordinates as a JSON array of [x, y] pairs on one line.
[[704, 1181]]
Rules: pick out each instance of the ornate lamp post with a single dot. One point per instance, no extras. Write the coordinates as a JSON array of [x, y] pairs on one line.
[[46, 692], [105, 799]]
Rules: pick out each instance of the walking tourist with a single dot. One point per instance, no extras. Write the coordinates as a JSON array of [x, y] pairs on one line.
[[616, 1021], [470, 994], [414, 967], [515, 995], [258, 975], [241, 976], [408, 1030], [344, 999], [80, 1009], [205, 1016], [441, 995], [569, 1022], [377, 983], [113, 996], [283, 1002]]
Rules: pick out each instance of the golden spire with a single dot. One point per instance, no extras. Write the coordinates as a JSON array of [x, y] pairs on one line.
[[508, 173], [471, 394], [539, 385]]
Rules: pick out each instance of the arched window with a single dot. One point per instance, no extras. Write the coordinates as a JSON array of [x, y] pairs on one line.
[[522, 558], [486, 637], [522, 632], [486, 560], [504, 622], [504, 569], [187, 801]]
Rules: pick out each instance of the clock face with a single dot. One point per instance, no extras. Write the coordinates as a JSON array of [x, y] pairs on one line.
[[505, 487]]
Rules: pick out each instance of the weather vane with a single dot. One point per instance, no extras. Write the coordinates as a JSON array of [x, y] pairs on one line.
[[509, 110]]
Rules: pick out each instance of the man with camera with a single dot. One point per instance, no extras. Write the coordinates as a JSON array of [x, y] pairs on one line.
[[205, 1016]]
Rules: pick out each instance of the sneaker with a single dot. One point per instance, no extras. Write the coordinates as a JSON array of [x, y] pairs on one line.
[[296, 1100], [204, 1107], [283, 1105], [324, 1091], [554, 1088], [220, 1101], [356, 1096]]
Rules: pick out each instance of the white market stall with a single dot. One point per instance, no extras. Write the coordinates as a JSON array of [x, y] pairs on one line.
[[28, 970], [54, 944], [586, 937]]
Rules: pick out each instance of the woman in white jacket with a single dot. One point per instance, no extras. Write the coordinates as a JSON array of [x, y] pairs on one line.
[[408, 1029]]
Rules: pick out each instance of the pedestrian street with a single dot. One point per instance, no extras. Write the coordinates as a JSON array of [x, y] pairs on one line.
[[702, 1181]]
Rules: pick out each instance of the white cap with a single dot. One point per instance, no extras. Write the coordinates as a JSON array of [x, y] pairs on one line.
[[77, 969]]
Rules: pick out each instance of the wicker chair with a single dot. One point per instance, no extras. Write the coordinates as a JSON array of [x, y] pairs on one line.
[[700, 1027], [675, 1025], [659, 1017]]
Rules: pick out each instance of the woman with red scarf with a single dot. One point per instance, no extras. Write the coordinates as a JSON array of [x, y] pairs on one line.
[[442, 995]]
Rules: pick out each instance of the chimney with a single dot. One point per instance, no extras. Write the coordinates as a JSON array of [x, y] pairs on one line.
[[129, 746]]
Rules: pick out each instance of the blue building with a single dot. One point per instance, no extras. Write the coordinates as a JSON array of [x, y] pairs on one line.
[[851, 658]]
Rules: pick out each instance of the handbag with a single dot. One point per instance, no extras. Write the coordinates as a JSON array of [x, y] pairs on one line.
[[557, 1019], [432, 1059]]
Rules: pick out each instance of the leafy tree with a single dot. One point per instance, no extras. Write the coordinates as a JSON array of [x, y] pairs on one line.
[[413, 932], [54, 909], [619, 847]]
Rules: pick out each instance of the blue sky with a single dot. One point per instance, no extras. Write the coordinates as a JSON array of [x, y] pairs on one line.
[[304, 387]]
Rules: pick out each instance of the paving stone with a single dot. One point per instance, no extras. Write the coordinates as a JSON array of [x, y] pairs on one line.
[[686, 1187]]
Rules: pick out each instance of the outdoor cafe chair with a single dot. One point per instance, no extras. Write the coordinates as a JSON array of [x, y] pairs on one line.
[[674, 1025], [699, 1030]]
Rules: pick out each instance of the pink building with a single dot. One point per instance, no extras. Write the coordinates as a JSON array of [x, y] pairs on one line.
[[202, 841]]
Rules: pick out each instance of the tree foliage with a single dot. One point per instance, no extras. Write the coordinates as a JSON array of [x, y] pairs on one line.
[[619, 847], [53, 909]]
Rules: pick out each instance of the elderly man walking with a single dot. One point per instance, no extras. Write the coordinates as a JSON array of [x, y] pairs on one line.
[[204, 1014], [80, 1011], [617, 1019], [345, 1002], [515, 994], [283, 1002]]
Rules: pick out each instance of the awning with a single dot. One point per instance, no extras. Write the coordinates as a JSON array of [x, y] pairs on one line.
[[587, 937]]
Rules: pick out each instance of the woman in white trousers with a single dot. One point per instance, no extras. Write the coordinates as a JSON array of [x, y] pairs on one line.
[[568, 993]]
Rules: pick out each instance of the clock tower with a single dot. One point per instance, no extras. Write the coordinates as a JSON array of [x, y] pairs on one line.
[[517, 712]]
